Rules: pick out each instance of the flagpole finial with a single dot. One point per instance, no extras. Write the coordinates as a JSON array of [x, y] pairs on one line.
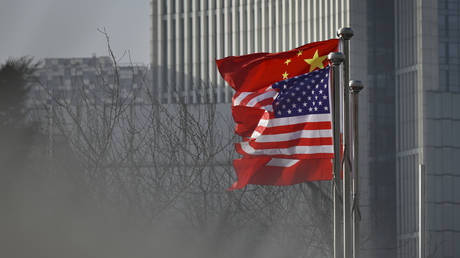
[[336, 58], [356, 86], [345, 33]]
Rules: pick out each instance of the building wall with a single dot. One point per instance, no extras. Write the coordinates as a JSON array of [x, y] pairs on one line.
[[65, 79], [75, 84], [187, 36], [441, 122], [427, 118], [408, 123], [377, 121]]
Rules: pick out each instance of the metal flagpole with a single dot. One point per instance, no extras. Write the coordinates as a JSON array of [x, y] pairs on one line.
[[336, 58], [355, 88], [345, 35]]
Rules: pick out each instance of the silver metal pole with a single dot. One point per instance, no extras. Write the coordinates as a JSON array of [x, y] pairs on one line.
[[336, 58], [355, 88], [421, 211], [345, 35]]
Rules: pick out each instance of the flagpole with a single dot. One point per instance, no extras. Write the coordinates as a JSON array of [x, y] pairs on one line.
[[336, 58], [345, 35], [355, 87]]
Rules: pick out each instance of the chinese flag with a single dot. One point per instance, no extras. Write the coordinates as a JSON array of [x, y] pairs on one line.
[[255, 71]]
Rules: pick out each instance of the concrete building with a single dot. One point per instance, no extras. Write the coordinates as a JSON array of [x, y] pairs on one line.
[[68, 78], [189, 35], [427, 120], [83, 87], [407, 54]]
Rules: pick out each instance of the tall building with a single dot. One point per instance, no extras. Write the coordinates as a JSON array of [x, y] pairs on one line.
[[187, 37], [407, 54], [427, 120]]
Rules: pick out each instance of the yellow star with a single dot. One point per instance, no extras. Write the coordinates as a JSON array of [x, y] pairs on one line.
[[299, 53], [316, 61], [287, 61], [285, 75]]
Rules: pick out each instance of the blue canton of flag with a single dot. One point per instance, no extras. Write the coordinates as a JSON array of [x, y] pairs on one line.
[[303, 95]]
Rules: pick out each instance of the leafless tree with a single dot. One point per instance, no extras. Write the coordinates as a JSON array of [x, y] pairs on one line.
[[171, 164]]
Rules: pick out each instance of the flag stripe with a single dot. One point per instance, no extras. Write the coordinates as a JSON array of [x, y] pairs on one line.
[[282, 162], [239, 96], [264, 102], [294, 127], [259, 97], [267, 121], [248, 149], [291, 143], [292, 135], [302, 156], [248, 98]]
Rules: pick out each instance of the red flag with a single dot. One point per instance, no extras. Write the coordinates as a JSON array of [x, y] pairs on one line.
[[282, 110], [255, 71]]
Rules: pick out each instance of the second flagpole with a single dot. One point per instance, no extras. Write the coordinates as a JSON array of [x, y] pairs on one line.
[[355, 87], [336, 58]]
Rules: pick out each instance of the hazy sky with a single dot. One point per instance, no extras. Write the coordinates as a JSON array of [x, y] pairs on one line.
[[68, 28]]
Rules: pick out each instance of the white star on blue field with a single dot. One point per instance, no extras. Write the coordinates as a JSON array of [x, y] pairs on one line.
[[303, 95]]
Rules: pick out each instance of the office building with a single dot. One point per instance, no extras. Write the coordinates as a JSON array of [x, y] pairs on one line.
[[187, 36], [407, 54], [67, 79], [427, 122]]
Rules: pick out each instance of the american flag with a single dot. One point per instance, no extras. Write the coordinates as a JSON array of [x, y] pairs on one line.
[[296, 123]]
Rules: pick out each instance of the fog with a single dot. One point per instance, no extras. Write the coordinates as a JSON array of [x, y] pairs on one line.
[[83, 177]]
